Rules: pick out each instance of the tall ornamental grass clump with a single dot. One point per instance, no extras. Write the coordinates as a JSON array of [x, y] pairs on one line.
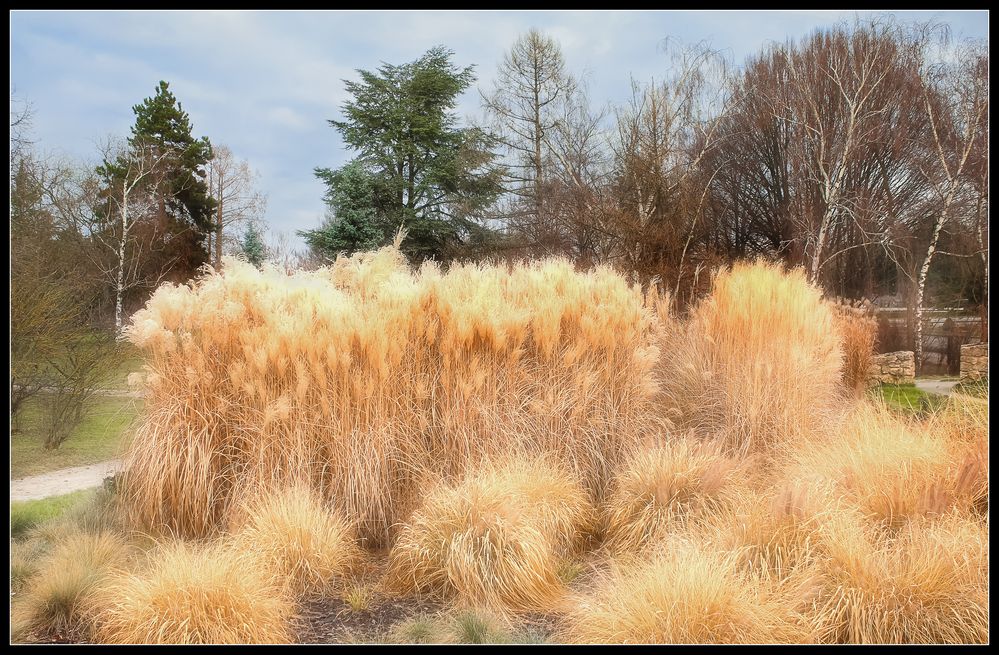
[[759, 363], [366, 375], [858, 328]]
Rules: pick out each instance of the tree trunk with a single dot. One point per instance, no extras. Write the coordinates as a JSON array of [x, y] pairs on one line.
[[120, 284], [921, 284], [218, 231], [538, 136]]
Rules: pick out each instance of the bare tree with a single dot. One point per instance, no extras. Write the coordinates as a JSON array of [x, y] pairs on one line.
[[52, 345], [525, 106], [231, 182], [839, 83], [956, 100], [821, 170], [132, 171], [664, 137]]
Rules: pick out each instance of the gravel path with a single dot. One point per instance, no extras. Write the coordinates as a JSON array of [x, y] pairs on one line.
[[63, 481], [939, 387]]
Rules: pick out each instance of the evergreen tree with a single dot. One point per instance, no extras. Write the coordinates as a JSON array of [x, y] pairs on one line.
[[161, 121], [427, 175], [253, 247], [175, 200], [356, 216]]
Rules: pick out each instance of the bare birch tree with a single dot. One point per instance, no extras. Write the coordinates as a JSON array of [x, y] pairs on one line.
[[956, 100], [838, 85], [132, 171]]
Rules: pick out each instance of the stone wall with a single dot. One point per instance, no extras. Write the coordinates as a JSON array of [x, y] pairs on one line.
[[974, 361], [893, 368]]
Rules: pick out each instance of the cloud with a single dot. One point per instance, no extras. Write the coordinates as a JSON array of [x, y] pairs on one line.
[[265, 83], [288, 117]]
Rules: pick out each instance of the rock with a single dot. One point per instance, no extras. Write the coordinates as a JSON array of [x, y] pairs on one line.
[[974, 362], [893, 368]]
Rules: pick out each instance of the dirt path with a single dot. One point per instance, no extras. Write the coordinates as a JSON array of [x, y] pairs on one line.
[[121, 393], [63, 481]]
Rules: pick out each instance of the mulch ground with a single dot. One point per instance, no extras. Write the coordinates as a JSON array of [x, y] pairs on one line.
[[332, 620]]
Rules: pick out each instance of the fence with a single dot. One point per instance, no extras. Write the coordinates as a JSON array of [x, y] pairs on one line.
[[944, 332]]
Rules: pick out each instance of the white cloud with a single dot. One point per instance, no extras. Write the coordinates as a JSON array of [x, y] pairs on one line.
[[288, 117], [266, 82]]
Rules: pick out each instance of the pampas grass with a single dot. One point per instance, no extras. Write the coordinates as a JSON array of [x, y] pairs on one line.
[[488, 425], [759, 363], [365, 375], [495, 540], [190, 594]]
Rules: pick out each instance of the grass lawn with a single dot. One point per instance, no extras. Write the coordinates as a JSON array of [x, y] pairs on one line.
[[26, 514], [131, 363], [907, 399], [96, 439]]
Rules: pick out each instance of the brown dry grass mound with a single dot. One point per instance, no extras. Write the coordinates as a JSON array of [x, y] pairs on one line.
[[193, 595], [496, 539], [298, 540], [688, 593]]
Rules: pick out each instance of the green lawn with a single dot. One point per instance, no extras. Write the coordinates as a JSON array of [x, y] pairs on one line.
[[131, 363], [98, 437], [907, 399], [26, 514]]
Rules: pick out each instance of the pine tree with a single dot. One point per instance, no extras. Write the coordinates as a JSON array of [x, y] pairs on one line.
[[253, 247], [162, 122]]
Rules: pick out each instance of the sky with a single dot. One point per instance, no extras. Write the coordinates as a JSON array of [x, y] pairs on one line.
[[265, 83]]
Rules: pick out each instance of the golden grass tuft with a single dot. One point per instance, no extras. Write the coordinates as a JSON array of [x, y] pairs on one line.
[[56, 597], [774, 531], [891, 469], [858, 329], [193, 595], [361, 376], [759, 364], [297, 539], [24, 556], [963, 423], [927, 584], [497, 539], [660, 489], [687, 593]]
